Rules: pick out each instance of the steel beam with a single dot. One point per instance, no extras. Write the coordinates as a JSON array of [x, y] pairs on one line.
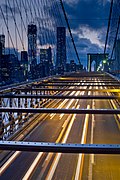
[[67, 89], [86, 81], [60, 148], [59, 111], [57, 96], [114, 85]]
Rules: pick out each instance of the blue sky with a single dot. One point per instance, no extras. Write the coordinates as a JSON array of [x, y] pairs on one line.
[[88, 20]]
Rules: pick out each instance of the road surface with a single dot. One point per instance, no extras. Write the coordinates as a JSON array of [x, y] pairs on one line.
[[84, 128]]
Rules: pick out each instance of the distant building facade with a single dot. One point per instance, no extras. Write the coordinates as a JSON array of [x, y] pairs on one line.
[[61, 50], [32, 46], [46, 60], [0, 49], [11, 71], [24, 63], [2, 40]]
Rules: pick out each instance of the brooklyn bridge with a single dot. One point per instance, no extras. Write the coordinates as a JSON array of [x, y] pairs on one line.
[[59, 90]]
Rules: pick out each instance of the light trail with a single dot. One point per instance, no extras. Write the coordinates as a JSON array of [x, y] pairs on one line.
[[115, 107], [32, 167], [13, 157], [62, 104], [91, 160], [71, 101], [78, 173], [57, 157], [49, 156], [9, 161]]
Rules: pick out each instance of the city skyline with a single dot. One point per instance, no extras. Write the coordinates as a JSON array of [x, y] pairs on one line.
[[89, 29]]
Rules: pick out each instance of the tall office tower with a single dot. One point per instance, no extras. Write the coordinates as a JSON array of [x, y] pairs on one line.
[[24, 62], [2, 40], [0, 49], [61, 50], [46, 60], [32, 46], [0, 62], [117, 55]]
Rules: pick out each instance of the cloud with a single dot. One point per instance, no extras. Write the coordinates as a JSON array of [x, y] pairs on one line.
[[94, 36], [75, 2], [71, 2]]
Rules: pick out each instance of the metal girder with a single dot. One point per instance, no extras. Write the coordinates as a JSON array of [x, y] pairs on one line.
[[59, 111], [57, 96], [114, 85], [79, 81], [60, 148], [61, 89]]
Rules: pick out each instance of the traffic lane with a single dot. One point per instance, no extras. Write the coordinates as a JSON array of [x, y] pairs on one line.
[[106, 131], [49, 157], [65, 160], [38, 174], [24, 160], [66, 167], [77, 134], [39, 134], [67, 164], [4, 154]]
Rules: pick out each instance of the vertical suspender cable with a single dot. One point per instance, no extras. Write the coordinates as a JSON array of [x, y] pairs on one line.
[[70, 32], [16, 25], [118, 26], [110, 15], [6, 24]]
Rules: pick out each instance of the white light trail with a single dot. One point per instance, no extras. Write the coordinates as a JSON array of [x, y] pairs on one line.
[[32, 167], [57, 157], [9, 161], [83, 141]]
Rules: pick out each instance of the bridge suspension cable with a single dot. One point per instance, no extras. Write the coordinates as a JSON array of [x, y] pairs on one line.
[[113, 28], [72, 39], [6, 24], [108, 28], [118, 26], [47, 15]]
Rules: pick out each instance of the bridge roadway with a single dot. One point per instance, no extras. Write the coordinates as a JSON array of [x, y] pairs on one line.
[[83, 128]]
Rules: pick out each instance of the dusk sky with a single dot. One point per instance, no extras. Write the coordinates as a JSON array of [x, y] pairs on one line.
[[88, 21]]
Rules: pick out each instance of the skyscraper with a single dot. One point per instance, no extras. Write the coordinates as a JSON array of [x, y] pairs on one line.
[[2, 40], [0, 62], [61, 50], [32, 46], [46, 55], [24, 62], [46, 60], [0, 49]]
